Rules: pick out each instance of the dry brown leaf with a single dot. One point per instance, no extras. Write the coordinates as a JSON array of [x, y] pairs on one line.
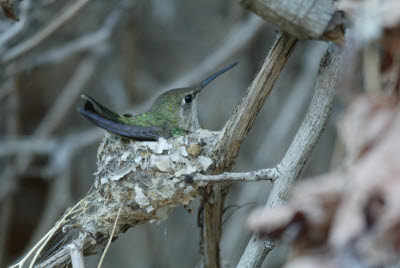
[[7, 6]]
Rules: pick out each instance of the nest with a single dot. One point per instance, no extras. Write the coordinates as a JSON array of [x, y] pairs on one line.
[[144, 181]]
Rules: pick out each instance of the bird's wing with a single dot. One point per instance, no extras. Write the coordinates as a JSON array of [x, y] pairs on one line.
[[110, 121]]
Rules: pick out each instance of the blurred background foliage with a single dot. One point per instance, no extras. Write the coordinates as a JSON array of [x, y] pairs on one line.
[[124, 53]]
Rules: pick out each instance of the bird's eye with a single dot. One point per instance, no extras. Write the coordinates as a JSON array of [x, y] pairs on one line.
[[188, 98]]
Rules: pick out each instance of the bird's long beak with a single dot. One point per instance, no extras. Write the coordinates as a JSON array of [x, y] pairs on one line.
[[212, 77]]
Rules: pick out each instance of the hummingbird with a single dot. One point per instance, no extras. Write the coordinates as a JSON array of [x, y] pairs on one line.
[[172, 114]]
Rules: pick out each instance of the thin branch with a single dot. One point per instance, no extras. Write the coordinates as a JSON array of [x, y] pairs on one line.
[[63, 17], [231, 137], [236, 208], [293, 162], [251, 176]]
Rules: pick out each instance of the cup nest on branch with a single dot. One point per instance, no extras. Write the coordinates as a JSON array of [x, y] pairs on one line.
[[146, 179]]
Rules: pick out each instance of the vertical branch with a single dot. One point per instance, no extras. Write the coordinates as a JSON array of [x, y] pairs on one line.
[[292, 164], [234, 132]]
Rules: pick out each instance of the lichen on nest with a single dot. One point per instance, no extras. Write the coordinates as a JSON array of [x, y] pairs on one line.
[[146, 180]]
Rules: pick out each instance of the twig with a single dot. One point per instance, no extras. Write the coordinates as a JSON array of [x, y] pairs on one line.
[[76, 251], [110, 239], [236, 208], [231, 137], [252, 176], [293, 162], [63, 17]]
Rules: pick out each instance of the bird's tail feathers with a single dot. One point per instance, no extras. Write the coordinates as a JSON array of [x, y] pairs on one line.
[[92, 106]]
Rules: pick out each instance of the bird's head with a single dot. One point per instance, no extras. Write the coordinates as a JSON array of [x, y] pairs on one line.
[[179, 104]]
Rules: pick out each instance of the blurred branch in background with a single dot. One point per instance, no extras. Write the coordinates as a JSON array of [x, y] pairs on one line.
[[89, 42], [63, 17], [62, 105]]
